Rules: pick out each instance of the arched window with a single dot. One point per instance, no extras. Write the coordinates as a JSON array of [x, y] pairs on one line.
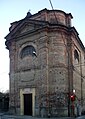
[[28, 50], [76, 55]]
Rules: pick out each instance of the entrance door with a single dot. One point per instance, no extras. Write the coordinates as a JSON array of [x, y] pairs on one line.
[[28, 104]]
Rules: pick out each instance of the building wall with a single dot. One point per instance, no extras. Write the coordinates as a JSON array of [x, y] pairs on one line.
[[44, 72], [78, 74], [53, 73]]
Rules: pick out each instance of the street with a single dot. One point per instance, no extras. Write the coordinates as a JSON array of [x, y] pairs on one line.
[[2, 116]]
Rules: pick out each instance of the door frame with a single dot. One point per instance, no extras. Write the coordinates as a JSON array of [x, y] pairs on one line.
[[27, 91]]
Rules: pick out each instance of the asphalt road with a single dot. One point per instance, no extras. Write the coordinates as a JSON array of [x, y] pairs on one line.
[[81, 117], [3, 116], [29, 117]]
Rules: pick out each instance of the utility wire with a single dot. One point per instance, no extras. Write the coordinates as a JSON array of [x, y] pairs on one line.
[[54, 11], [51, 4], [74, 65], [69, 60], [82, 64]]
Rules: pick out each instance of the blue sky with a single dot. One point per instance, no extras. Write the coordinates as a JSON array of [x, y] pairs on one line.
[[14, 10]]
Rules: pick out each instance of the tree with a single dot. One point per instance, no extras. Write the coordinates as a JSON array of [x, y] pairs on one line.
[[4, 101]]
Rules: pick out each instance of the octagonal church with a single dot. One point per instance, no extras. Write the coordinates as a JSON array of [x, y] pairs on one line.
[[47, 65]]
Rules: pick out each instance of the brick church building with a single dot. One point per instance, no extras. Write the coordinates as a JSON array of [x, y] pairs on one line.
[[47, 65]]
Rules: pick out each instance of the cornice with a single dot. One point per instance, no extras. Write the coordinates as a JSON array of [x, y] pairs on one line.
[[47, 27], [74, 32]]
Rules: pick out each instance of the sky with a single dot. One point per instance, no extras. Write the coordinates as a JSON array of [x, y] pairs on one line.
[[14, 10]]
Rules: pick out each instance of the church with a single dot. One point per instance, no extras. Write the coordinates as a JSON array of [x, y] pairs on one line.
[[47, 65]]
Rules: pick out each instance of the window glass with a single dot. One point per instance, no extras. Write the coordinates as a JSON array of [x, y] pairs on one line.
[[28, 50], [76, 55]]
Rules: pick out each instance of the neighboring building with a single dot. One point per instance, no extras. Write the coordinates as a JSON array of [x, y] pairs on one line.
[[46, 65]]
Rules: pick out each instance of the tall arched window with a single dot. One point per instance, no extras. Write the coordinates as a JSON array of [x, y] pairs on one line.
[[76, 55], [28, 50]]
